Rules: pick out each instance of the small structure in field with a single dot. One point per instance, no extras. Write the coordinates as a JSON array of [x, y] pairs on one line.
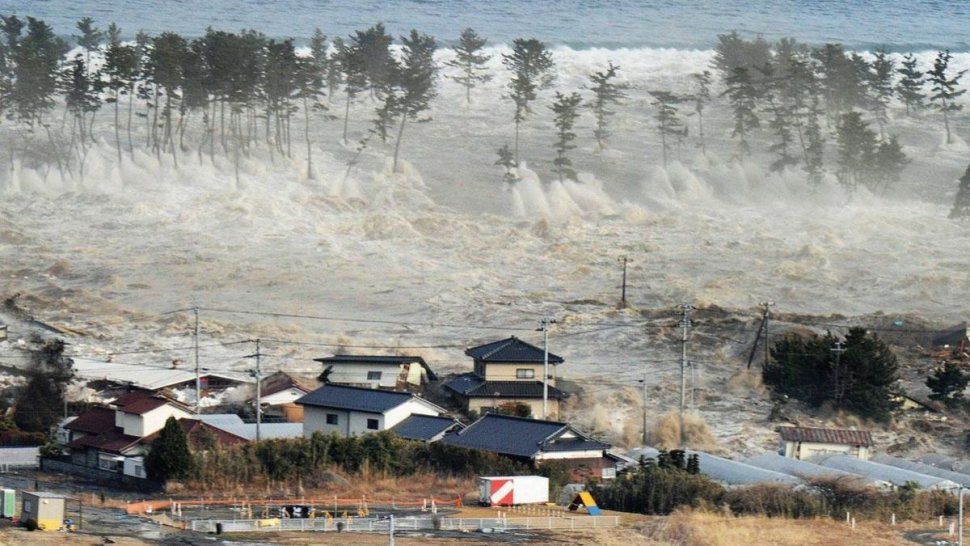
[[512, 490], [43, 508], [806, 442]]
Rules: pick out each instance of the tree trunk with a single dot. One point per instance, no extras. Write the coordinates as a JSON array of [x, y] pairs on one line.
[[397, 143], [516, 142], [306, 135], [131, 110], [346, 116], [117, 129]]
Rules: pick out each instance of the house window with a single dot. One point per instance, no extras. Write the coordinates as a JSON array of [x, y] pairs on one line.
[[374, 376], [525, 373], [372, 424], [609, 472], [332, 419]]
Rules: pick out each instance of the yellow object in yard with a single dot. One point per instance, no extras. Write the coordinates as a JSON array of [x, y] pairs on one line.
[[271, 522], [49, 524], [583, 498]]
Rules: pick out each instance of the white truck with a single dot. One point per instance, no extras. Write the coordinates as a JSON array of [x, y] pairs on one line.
[[512, 490]]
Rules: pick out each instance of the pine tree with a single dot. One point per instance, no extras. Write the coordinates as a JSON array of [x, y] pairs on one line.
[[35, 76], [310, 79], [334, 76], [416, 82], [90, 38], [669, 125], [506, 160], [531, 65], [377, 62], [743, 96], [944, 88], [948, 383], [350, 58], [470, 61], [910, 86], [839, 79], [80, 96], [782, 110], [164, 69], [120, 67], [607, 93], [565, 110], [40, 403], [961, 204], [114, 34], [733, 52], [881, 88], [814, 161], [887, 165], [857, 148], [169, 457], [701, 97]]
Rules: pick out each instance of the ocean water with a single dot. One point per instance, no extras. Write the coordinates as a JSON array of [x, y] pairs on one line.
[[895, 24]]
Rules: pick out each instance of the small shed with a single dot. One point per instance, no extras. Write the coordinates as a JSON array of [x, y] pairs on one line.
[[806, 442], [47, 509]]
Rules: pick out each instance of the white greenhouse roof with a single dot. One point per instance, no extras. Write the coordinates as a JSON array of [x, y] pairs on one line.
[[144, 376], [234, 424], [879, 471], [923, 468], [725, 470], [805, 469], [946, 462]]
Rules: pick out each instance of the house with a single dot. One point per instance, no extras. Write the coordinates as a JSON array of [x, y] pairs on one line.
[[804, 443], [957, 338], [102, 437], [199, 433], [426, 428], [350, 411], [400, 373], [178, 380], [536, 442], [279, 393], [507, 373]]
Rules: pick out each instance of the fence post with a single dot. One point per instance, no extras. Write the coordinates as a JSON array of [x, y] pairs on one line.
[[894, 518]]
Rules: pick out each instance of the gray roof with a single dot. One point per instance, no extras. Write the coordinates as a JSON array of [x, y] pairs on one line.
[[878, 471], [946, 462], [521, 437], [512, 349], [392, 360], [923, 468], [473, 386], [738, 473], [355, 398], [220, 420], [234, 424], [805, 469], [425, 427]]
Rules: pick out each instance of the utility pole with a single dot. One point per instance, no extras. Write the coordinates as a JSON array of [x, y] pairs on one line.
[[685, 323], [544, 328], [623, 304], [766, 314], [838, 350], [198, 374], [258, 375], [644, 381]]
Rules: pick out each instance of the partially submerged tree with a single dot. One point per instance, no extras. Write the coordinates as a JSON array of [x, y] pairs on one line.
[[945, 89], [669, 125], [701, 97], [856, 149], [470, 62], [742, 95], [350, 58], [531, 65], [881, 88], [607, 94], [961, 204], [121, 68], [415, 87], [41, 402], [506, 160], [565, 110], [910, 85]]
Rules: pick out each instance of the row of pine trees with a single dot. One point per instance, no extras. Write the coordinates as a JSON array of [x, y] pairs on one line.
[[244, 90]]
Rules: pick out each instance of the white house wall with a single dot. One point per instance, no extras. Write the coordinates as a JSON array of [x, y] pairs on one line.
[[315, 420], [807, 450], [151, 421]]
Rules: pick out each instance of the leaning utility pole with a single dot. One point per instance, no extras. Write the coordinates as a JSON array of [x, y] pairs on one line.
[[623, 304], [766, 315], [257, 373], [838, 350], [544, 327], [685, 323], [198, 373]]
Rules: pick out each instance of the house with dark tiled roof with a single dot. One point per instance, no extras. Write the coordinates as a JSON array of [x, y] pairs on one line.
[[536, 442], [397, 372], [352, 411], [505, 374], [426, 428], [806, 442], [279, 393]]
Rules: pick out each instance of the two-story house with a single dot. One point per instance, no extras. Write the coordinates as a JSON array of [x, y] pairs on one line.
[[351, 411], [507, 373], [400, 373]]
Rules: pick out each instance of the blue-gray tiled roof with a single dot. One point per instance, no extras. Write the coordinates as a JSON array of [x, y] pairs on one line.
[[473, 386], [355, 398], [424, 427], [512, 349], [519, 436]]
